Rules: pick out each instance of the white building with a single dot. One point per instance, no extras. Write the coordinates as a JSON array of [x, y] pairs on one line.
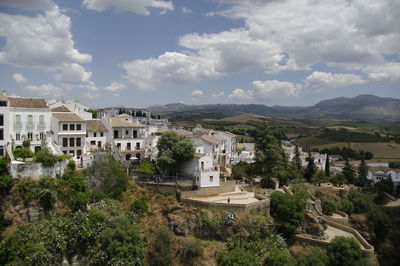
[[229, 146], [74, 107], [202, 167], [96, 135], [125, 137], [29, 119], [69, 133], [379, 173], [4, 124], [245, 152]]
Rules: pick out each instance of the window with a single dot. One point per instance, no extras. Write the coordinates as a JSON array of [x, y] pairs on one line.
[[65, 142], [30, 119], [78, 153], [71, 142], [3, 103], [30, 135], [115, 134], [87, 135], [78, 142], [42, 135], [72, 127], [78, 127], [126, 132], [119, 146], [65, 152], [128, 146], [137, 145], [135, 134], [41, 120], [101, 134], [1, 134], [17, 136], [65, 127], [1, 120], [94, 134], [93, 143], [72, 153], [211, 178]]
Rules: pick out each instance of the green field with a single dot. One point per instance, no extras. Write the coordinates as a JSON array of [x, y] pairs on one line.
[[387, 152]]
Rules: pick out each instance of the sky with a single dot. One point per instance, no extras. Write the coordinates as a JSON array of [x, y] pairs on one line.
[[138, 53]]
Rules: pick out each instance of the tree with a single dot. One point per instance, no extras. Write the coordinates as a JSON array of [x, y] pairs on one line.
[[312, 256], [268, 182], [328, 206], [385, 185], [345, 205], [3, 166], [22, 153], [240, 170], [107, 176], [311, 168], [147, 168], [297, 159], [45, 157], [327, 166], [319, 177], [280, 257], [349, 172], [288, 211], [162, 253], [368, 155], [338, 179], [379, 222], [344, 251], [173, 150], [237, 257], [6, 182], [362, 174], [271, 161]]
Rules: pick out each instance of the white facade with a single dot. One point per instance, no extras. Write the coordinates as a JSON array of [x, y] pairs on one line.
[[75, 107], [202, 167], [229, 145], [27, 122], [69, 134], [4, 124]]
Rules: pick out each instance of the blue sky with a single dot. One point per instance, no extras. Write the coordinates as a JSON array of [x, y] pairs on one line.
[[146, 52]]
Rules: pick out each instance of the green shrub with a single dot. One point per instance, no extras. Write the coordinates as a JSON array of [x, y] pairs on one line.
[[379, 222], [140, 205], [345, 205], [147, 168], [26, 144], [344, 251], [191, 249], [6, 182], [312, 256], [3, 166], [45, 157], [361, 203], [280, 257], [27, 191], [71, 165], [237, 257], [23, 153], [162, 253], [268, 182], [328, 206]]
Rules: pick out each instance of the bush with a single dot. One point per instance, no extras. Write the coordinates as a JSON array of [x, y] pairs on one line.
[[45, 157], [22, 153], [71, 165], [344, 251], [26, 144], [268, 182], [140, 205], [379, 222], [6, 182], [328, 206], [27, 191], [361, 203], [191, 249], [3, 166], [147, 168], [237, 257], [345, 206], [162, 253], [279, 257], [312, 256]]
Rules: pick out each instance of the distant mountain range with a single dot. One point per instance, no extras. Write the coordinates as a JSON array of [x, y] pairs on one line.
[[362, 107]]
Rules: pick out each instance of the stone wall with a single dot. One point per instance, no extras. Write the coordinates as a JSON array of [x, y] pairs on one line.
[[36, 170], [262, 205], [224, 186]]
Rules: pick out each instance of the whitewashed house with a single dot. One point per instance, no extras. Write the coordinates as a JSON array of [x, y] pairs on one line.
[[96, 135], [202, 167], [229, 146], [74, 107], [125, 137], [244, 153], [4, 124], [69, 133], [29, 119], [379, 173]]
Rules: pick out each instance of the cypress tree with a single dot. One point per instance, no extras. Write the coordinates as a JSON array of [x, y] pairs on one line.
[[362, 174], [349, 172], [327, 166], [296, 158], [311, 168]]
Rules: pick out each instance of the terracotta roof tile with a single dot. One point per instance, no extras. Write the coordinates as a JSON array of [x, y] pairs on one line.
[[68, 117], [27, 102], [95, 126]]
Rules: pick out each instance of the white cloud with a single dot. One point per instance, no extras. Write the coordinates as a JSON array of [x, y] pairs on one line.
[[186, 10], [197, 93], [30, 4], [274, 88], [385, 72], [280, 36], [19, 78], [44, 41], [218, 95], [139, 7], [45, 90], [239, 94], [115, 86], [89, 95], [319, 81]]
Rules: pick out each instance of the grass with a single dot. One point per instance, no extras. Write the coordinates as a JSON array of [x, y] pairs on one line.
[[387, 152]]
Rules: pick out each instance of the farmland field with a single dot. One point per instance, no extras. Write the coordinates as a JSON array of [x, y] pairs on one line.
[[388, 152]]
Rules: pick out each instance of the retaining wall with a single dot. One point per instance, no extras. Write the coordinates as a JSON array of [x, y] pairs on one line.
[[36, 170], [224, 187], [262, 205]]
